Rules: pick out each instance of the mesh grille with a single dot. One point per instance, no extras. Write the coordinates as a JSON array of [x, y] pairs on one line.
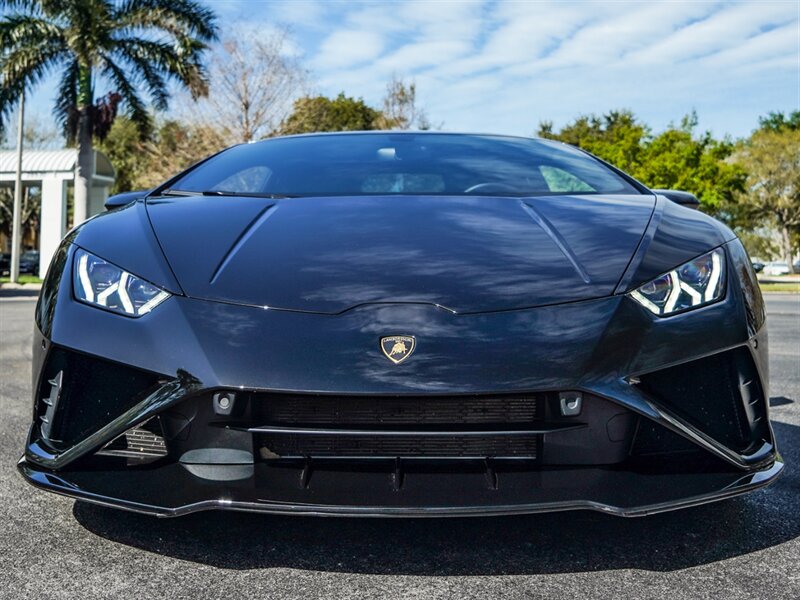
[[354, 410], [290, 445]]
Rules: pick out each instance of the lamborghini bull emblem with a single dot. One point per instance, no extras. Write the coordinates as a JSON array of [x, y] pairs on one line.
[[397, 348]]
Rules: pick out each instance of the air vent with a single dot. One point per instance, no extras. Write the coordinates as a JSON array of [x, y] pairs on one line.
[[721, 395], [79, 393], [51, 404], [141, 444]]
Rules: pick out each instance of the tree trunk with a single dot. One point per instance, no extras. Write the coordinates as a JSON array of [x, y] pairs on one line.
[[786, 247], [83, 176]]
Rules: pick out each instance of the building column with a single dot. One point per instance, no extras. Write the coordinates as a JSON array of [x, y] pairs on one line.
[[53, 224]]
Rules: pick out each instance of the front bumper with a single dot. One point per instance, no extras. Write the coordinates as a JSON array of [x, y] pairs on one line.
[[173, 491], [609, 349]]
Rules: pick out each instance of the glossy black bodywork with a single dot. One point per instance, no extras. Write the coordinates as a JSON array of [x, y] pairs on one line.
[[124, 198], [680, 197], [328, 255], [503, 295]]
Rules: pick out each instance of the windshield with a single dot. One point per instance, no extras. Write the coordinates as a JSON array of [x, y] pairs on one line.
[[389, 163]]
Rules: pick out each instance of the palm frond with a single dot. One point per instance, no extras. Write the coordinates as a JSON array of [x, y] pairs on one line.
[[50, 8], [66, 111], [177, 17], [134, 105], [20, 70], [28, 30], [154, 63], [30, 5], [138, 46]]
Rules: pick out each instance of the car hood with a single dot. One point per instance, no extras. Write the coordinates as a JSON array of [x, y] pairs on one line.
[[466, 254]]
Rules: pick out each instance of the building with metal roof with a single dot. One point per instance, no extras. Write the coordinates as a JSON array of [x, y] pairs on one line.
[[54, 171]]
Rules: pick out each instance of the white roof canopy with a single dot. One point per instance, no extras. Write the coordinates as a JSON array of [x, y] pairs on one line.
[[43, 162]]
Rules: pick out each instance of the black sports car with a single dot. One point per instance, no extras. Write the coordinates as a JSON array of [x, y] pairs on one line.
[[401, 324]]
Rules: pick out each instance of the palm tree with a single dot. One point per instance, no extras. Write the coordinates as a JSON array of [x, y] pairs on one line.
[[129, 45]]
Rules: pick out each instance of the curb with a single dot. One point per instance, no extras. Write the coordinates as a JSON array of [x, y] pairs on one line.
[[21, 286], [19, 291]]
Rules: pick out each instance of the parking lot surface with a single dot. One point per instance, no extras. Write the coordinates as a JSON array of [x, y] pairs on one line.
[[53, 547]]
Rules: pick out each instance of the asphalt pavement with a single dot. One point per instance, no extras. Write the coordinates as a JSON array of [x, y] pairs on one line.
[[54, 547]]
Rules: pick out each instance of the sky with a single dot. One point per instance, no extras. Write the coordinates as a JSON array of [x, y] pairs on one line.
[[492, 66]]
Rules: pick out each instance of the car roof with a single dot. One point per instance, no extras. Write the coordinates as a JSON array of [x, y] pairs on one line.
[[408, 132]]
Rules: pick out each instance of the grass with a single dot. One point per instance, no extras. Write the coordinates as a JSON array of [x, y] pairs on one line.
[[22, 279], [780, 287]]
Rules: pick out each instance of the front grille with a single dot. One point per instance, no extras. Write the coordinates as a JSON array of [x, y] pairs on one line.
[[424, 446], [468, 426], [429, 410]]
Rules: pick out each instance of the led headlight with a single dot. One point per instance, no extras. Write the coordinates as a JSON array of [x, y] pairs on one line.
[[695, 283], [99, 283]]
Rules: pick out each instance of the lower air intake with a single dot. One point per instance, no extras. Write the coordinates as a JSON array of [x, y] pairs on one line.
[[144, 443], [406, 446], [720, 395]]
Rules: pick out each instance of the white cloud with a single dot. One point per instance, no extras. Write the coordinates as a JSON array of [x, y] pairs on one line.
[[347, 48], [504, 66], [722, 30]]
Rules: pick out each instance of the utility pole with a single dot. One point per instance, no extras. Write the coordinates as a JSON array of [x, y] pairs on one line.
[[16, 225]]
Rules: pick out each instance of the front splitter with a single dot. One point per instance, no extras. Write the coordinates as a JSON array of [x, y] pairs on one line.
[[171, 490]]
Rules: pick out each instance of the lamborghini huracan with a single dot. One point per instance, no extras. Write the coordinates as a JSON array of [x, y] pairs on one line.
[[400, 324]]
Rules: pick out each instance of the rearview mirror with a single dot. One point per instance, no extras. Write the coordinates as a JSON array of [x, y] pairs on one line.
[[678, 197], [124, 198]]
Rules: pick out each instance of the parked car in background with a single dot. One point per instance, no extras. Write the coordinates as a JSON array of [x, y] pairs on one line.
[[29, 262], [776, 268]]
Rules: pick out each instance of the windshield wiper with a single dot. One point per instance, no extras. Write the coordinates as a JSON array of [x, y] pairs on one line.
[[169, 192], [246, 194]]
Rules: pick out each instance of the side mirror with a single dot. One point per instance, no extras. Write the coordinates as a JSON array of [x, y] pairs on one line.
[[678, 197], [124, 198]]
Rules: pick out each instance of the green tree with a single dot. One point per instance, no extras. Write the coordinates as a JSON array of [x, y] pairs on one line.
[[172, 147], [617, 137], [320, 113], [176, 147], [128, 44], [771, 158], [676, 158], [777, 121], [124, 147]]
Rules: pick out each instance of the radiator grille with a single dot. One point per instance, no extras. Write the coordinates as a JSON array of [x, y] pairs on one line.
[[429, 410], [323, 445]]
